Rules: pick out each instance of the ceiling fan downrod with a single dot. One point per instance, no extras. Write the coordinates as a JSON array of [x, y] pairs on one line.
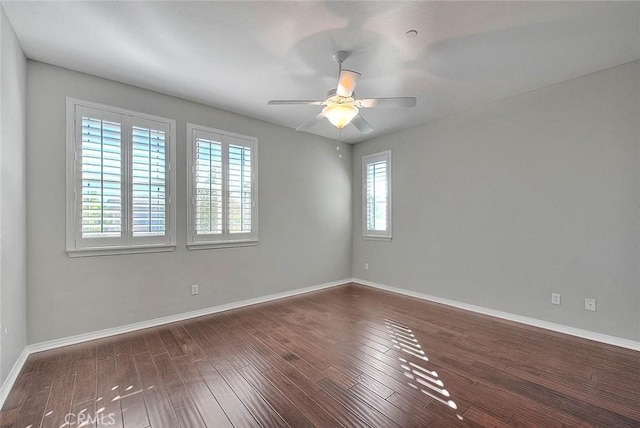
[[339, 57]]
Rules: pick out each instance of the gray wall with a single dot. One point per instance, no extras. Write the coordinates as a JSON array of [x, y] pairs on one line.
[[305, 218], [13, 227], [503, 205], [498, 207]]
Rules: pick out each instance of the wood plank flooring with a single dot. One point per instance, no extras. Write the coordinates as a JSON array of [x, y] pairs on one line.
[[347, 356]]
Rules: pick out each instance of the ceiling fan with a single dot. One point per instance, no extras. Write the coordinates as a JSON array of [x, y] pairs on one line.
[[341, 105]]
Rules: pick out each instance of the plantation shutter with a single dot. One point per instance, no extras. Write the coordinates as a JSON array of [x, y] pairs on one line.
[[149, 173], [99, 192], [377, 195], [121, 180], [223, 188], [240, 178], [208, 178]]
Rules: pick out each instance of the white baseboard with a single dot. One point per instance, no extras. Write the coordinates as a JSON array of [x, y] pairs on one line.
[[12, 376], [585, 334], [72, 340], [85, 337]]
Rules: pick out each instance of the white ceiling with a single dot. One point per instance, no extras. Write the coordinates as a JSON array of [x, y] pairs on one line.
[[238, 55]]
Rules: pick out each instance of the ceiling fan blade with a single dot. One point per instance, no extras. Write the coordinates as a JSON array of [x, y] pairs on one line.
[[310, 123], [362, 125], [386, 102], [347, 82], [296, 102]]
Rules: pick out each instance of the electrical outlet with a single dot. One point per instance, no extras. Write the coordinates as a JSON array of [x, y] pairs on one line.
[[194, 289], [555, 298], [366, 266], [590, 304]]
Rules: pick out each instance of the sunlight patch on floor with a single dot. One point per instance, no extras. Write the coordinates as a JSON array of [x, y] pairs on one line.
[[418, 376]]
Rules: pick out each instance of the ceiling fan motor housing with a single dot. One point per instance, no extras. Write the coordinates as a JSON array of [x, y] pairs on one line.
[[333, 97]]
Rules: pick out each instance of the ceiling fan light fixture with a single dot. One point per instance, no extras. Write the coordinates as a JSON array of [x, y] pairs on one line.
[[340, 115]]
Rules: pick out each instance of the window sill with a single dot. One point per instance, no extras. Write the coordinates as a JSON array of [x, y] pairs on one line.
[[376, 238], [215, 245], [113, 251]]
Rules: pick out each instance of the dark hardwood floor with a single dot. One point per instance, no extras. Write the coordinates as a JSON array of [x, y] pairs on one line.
[[347, 356]]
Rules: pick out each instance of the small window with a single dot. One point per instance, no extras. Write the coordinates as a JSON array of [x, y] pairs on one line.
[[119, 181], [376, 196], [223, 188]]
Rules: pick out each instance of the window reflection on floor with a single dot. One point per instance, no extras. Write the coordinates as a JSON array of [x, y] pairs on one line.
[[418, 375]]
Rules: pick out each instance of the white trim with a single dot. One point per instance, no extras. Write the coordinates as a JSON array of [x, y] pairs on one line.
[[585, 334], [13, 375], [85, 337], [376, 238], [221, 244], [105, 251]]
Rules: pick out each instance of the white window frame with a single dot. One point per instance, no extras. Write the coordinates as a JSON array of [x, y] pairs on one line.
[[226, 239], [77, 246], [375, 234]]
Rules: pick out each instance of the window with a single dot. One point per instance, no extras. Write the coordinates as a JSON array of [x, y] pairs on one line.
[[376, 196], [223, 188], [120, 181]]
